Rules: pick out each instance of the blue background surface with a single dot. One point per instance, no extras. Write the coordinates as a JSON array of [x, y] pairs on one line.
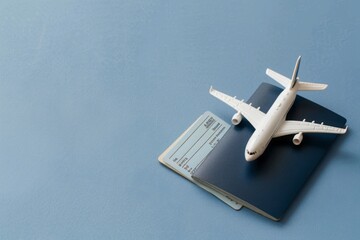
[[91, 92]]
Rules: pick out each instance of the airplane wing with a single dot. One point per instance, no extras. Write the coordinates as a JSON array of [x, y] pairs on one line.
[[294, 127], [253, 115]]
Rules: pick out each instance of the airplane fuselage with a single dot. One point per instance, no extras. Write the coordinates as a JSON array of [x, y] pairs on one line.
[[274, 118]]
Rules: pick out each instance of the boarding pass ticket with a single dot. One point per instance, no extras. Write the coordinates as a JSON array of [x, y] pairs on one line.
[[192, 147]]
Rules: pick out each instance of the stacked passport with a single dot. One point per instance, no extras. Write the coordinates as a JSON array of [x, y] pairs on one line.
[[269, 184]]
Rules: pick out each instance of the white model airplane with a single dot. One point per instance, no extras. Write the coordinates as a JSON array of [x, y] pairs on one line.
[[273, 123]]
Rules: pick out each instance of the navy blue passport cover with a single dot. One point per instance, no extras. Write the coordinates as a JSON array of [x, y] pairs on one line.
[[269, 184]]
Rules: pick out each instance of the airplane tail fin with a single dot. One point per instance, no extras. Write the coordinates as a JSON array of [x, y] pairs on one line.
[[294, 77], [290, 83]]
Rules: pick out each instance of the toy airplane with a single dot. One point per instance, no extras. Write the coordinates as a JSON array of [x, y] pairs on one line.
[[273, 123]]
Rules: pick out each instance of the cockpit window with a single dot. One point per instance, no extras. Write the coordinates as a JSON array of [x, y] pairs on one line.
[[250, 153]]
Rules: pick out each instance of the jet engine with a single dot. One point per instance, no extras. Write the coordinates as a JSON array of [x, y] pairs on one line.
[[298, 138], [236, 119]]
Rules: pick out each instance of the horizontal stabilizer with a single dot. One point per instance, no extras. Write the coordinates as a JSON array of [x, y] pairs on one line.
[[284, 81], [303, 86], [308, 86]]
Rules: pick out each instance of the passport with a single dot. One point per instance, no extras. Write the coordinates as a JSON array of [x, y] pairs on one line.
[[271, 183]]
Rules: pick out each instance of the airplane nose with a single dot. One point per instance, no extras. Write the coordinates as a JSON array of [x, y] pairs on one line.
[[249, 157]]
